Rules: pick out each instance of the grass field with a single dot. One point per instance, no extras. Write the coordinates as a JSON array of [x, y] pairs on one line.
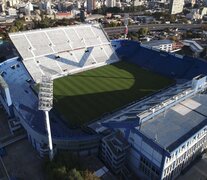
[[85, 96]]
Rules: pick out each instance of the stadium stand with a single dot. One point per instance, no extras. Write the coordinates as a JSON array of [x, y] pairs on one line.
[[25, 109], [171, 65], [60, 51]]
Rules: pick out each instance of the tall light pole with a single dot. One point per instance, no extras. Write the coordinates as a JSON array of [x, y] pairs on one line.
[[126, 22], [45, 104]]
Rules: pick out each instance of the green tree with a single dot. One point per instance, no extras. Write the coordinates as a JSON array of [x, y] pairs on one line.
[[173, 38], [13, 29], [74, 175], [112, 24], [88, 175], [67, 166], [59, 173], [19, 24], [143, 31]]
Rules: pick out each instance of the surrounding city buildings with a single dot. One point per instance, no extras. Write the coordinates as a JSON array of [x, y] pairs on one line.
[[110, 3], [2, 6], [197, 14], [91, 5], [165, 45]]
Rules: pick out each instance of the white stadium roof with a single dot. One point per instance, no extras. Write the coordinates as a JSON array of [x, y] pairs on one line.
[[60, 51]]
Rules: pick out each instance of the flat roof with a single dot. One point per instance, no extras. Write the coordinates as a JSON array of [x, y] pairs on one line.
[[158, 42], [177, 124]]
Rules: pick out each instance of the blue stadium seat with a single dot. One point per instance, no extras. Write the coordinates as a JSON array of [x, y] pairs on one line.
[[161, 62]]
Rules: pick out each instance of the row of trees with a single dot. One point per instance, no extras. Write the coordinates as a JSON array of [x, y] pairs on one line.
[[3, 34], [19, 25], [66, 166], [115, 10], [140, 33], [45, 22]]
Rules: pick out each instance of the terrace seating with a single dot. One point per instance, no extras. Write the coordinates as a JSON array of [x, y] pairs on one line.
[[56, 52], [99, 34], [88, 35], [59, 40], [35, 70], [48, 65], [110, 53], [67, 61], [99, 54], [22, 46], [40, 43], [162, 62], [75, 40]]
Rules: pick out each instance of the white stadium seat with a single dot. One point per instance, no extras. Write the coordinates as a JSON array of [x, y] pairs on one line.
[[56, 52]]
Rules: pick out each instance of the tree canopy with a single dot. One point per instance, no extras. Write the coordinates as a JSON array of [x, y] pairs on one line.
[[67, 166]]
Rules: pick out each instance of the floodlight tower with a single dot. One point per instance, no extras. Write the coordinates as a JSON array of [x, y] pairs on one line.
[[45, 104], [126, 22]]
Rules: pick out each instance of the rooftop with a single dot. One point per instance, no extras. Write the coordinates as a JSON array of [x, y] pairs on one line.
[[171, 128], [158, 42]]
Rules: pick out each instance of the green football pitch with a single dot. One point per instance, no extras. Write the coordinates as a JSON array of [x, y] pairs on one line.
[[85, 96]]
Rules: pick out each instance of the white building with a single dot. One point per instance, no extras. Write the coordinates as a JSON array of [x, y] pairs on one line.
[[2, 6], [48, 7], [176, 6], [12, 12], [139, 2], [118, 3], [160, 1], [28, 8], [164, 45], [110, 3]]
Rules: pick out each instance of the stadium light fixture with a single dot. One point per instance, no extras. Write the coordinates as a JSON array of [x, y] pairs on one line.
[[45, 104]]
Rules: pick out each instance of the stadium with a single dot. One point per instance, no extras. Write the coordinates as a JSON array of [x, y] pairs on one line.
[[137, 107]]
